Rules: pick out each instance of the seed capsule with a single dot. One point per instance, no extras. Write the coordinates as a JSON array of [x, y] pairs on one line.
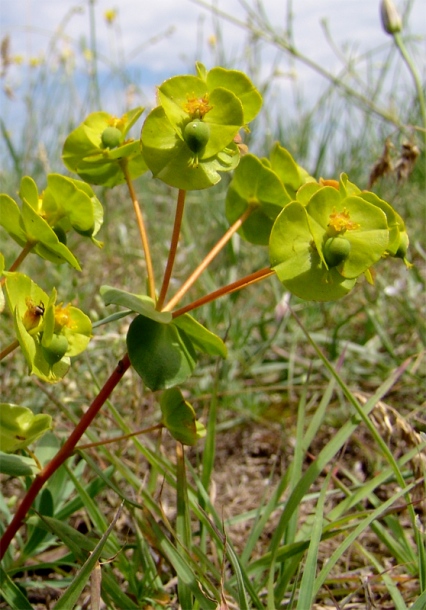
[[111, 137], [336, 250], [56, 349], [196, 134], [403, 245]]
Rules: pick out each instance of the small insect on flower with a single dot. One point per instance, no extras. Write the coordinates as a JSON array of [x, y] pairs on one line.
[[34, 312], [40, 309]]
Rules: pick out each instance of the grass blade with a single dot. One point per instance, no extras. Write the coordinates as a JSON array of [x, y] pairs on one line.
[[71, 595], [307, 595]]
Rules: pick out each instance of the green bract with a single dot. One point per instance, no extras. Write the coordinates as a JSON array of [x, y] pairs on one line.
[[48, 333], [28, 229], [238, 83], [362, 224], [161, 349], [179, 417], [258, 187], [188, 139], [296, 260], [322, 242], [289, 172], [97, 149], [19, 427], [65, 204]]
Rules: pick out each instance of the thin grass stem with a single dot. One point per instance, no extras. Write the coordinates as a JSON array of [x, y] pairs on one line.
[[416, 78], [122, 437]]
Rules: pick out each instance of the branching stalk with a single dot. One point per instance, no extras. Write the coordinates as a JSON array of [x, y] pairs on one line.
[[257, 276], [122, 437], [9, 349], [16, 263], [173, 248], [142, 229], [207, 260], [63, 454]]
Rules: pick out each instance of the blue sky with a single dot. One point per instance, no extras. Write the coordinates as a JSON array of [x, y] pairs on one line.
[[153, 39], [32, 24]]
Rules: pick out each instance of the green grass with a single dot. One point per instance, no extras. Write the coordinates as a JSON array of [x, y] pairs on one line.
[[309, 485]]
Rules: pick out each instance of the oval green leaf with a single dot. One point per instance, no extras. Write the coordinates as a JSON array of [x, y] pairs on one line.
[[161, 354], [179, 417]]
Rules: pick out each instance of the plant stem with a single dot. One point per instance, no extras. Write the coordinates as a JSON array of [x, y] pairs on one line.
[[142, 229], [173, 248], [208, 259], [64, 453], [94, 81], [9, 349], [257, 276], [16, 263], [122, 437], [264, 32], [416, 78]]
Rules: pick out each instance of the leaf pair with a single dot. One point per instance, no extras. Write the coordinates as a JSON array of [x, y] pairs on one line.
[[161, 349]]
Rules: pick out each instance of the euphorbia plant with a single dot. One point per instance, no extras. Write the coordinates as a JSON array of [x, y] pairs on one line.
[[322, 236]]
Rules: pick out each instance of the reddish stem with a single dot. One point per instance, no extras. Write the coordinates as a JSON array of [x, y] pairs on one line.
[[207, 260], [64, 452], [173, 248], [257, 276], [24, 253]]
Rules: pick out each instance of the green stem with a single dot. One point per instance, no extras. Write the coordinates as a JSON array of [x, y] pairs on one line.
[[416, 78], [95, 90], [173, 248]]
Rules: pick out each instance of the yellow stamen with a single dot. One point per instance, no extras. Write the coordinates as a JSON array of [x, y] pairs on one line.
[[341, 222], [62, 317], [197, 106]]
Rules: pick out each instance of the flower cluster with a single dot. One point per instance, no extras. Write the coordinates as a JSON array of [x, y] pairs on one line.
[[97, 148], [331, 234], [49, 333], [189, 137]]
